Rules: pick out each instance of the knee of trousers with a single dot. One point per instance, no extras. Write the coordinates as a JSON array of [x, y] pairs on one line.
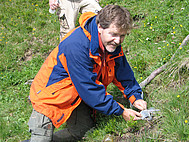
[[78, 133], [41, 135], [41, 132]]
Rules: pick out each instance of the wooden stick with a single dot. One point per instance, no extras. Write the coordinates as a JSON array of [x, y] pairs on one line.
[[159, 70]]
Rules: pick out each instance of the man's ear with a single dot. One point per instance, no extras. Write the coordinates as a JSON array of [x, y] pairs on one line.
[[99, 28]]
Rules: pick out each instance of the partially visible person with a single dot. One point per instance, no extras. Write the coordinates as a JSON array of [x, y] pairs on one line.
[[68, 11], [73, 80]]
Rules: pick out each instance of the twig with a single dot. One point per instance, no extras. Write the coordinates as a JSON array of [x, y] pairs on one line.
[[159, 70]]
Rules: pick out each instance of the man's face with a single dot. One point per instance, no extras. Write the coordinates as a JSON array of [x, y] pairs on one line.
[[111, 37]]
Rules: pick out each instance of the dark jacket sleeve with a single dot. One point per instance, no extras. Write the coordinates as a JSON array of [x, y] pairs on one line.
[[125, 76]]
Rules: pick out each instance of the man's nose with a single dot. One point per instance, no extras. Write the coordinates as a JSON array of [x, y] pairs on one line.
[[117, 40]]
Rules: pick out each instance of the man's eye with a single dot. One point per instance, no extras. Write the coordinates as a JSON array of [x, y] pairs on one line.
[[114, 35]]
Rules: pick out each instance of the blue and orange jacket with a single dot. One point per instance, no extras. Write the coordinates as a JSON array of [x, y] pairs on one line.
[[75, 71]]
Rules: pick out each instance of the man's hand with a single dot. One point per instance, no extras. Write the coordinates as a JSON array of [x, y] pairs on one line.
[[127, 113], [53, 4], [140, 104]]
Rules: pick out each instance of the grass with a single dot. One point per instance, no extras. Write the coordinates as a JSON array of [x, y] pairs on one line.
[[28, 32]]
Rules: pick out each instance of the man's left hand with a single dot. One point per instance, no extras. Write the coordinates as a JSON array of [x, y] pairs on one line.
[[140, 104]]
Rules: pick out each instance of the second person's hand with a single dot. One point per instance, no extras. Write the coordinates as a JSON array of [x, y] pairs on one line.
[[53, 4]]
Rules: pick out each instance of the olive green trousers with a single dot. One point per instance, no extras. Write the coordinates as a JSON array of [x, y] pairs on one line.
[[80, 121]]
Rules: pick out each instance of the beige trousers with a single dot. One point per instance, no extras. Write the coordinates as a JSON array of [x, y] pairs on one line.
[[69, 10]]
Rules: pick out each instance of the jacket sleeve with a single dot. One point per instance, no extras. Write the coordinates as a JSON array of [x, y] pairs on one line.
[[125, 80], [80, 68]]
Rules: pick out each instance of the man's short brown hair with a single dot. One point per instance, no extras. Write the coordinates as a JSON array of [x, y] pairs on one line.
[[115, 14]]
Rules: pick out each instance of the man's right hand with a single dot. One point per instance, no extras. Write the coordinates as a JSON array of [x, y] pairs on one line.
[[53, 4], [128, 113]]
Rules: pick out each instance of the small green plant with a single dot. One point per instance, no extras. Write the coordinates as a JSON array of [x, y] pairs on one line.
[[132, 124]]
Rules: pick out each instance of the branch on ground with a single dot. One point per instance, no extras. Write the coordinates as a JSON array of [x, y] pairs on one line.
[[159, 70]]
